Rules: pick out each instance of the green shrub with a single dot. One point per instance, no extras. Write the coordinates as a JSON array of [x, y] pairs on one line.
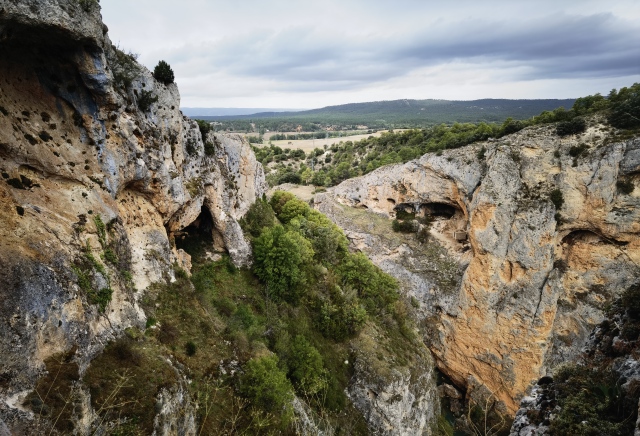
[[624, 106], [342, 321], [592, 403], [279, 199], [204, 128], [625, 186], [631, 301], [209, 148], [110, 256], [290, 177], [102, 298], [163, 73], [146, 99], [377, 289], [578, 150], [267, 387], [259, 216], [571, 127], [402, 214], [151, 321], [244, 316], [404, 226], [306, 369], [279, 261], [556, 198], [190, 348], [482, 152], [124, 66], [292, 209]]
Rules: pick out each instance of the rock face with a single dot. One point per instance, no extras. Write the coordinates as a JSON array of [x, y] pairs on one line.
[[536, 275], [100, 174]]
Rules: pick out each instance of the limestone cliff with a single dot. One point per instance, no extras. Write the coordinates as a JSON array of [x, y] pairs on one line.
[[100, 173], [532, 238]]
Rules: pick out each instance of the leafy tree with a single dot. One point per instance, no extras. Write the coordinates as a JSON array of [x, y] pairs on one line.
[[267, 387], [279, 199], [306, 369], [377, 289], [163, 73], [292, 209], [259, 216], [279, 261], [625, 107], [576, 125], [290, 177]]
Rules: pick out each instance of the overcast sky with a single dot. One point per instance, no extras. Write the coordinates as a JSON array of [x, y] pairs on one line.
[[307, 54]]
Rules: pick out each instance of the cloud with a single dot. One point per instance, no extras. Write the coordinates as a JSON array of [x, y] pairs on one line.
[[347, 47]]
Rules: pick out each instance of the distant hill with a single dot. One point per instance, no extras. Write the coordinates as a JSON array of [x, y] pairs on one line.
[[398, 113], [228, 111]]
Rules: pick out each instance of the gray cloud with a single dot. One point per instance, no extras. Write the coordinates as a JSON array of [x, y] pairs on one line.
[[350, 46]]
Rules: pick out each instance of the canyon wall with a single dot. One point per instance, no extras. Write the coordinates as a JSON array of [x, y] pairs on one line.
[[533, 236], [93, 148]]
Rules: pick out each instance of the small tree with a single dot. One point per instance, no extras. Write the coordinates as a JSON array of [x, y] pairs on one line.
[[267, 387], [163, 73]]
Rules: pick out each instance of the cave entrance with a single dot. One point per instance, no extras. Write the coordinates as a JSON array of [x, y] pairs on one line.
[[440, 210], [200, 236]]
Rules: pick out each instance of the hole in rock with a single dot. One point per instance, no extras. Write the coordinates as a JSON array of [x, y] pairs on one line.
[[200, 236], [438, 210]]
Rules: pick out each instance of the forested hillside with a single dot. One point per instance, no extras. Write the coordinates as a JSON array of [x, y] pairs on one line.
[[621, 109], [391, 114]]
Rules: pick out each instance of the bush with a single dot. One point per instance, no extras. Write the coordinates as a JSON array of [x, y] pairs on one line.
[[267, 387], [401, 214], [578, 150], [163, 73], [146, 99], [376, 288], [576, 125], [124, 66], [556, 198], [306, 369], [625, 107], [102, 298], [209, 148], [339, 322], [204, 128], [290, 177], [404, 226], [259, 216], [625, 186], [511, 126], [279, 261], [292, 209], [592, 403], [190, 348]]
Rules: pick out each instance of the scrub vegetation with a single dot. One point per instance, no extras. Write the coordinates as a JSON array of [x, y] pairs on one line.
[[251, 340]]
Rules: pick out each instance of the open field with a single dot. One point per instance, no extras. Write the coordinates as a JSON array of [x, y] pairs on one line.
[[308, 145]]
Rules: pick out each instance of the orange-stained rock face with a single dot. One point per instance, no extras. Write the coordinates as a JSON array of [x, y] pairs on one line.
[[534, 283], [75, 145]]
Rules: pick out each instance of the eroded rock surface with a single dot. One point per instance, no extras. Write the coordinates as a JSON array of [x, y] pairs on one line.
[[536, 277], [90, 170]]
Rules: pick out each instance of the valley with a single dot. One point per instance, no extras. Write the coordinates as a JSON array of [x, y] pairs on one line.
[[429, 267]]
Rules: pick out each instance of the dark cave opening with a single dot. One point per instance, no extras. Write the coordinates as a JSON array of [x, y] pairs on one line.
[[198, 236], [438, 210]]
